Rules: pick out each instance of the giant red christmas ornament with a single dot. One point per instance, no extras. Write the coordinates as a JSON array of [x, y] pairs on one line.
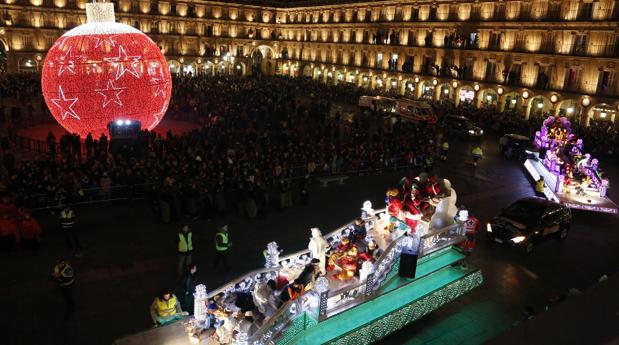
[[104, 71]]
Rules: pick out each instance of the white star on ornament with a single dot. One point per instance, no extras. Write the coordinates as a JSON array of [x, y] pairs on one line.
[[59, 43], [102, 41], [67, 62], [121, 60], [157, 117], [160, 89], [111, 94], [61, 100]]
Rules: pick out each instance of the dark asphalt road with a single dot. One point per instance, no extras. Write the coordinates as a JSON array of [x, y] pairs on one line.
[[130, 257]]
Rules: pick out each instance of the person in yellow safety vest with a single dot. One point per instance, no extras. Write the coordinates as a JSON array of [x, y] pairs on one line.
[[444, 150], [184, 243], [539, 187], [165, 308], [67, 223], [222, 244], [65, 277], [478, 154]]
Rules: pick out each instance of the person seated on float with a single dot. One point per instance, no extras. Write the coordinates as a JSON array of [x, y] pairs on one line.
[[342, 248], [274, 300], [224, 333], [358, 232], [292, 291], [244, 325], [371, 254], [349, 265], [211, 314], [261, 293], [310, 272], [166, 309]]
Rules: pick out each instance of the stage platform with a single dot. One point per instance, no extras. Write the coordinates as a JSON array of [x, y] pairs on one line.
[[440, 279], [40, 132], [399, 302], [583, 201]]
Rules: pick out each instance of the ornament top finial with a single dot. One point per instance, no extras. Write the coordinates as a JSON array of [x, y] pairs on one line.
[[100, 12]]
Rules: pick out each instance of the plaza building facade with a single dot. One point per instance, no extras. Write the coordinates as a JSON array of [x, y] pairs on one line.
[[532, 56]]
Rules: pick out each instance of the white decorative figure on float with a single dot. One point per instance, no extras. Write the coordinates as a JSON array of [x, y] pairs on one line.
[[446, 209], [200, 302], [367, 268], [368, 215], [271, 255], [318, 247]]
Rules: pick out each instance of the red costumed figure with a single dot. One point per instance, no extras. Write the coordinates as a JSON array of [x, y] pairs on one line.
[[348, 263], [342, 248], [406, 183], [414, 206], [433, 190], [371, 254], [471, 227], [394, 204]]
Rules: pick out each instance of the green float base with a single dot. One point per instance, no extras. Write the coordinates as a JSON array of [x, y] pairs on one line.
[[400, 301]]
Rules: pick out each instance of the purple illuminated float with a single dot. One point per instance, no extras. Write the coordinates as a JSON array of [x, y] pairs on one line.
[[571, 176]]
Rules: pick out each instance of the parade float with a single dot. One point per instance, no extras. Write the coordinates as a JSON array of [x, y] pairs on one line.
[[369, 278], [571, 176]]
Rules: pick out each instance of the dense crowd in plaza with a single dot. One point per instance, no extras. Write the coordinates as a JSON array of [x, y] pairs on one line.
[[262, 139]]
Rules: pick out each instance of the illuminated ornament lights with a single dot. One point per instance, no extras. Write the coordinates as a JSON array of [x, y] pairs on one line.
[[103, 71]]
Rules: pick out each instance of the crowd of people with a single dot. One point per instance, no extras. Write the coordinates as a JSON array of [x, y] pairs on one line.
[[262, 140]]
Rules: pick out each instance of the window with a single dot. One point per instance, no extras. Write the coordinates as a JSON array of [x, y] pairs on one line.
[[495, 40], [473, 40], [572, 77], [379, 59], [580, 44], [490, 71], [586, 10], [543, 77], [606, 82]]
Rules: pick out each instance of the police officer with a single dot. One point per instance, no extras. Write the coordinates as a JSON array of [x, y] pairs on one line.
[[65, 277], [185, 248], [166, 308], [444, 150], [478, 154], [67, 223], [222, 245]]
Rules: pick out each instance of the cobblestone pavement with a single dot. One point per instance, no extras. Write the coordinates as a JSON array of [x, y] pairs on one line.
[[130, 257]]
